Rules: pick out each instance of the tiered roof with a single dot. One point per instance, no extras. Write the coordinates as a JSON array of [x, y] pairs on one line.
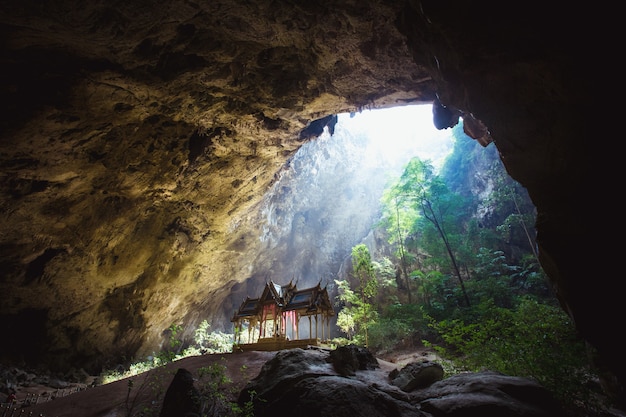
[[308, 301]]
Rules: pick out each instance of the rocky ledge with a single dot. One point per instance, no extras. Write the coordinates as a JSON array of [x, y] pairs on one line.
[[350, 382]]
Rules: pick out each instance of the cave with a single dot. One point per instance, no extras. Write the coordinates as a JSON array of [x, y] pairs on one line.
[[139, 138]]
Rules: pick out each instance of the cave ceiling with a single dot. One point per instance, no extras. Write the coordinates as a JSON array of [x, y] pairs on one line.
[[138, 140]]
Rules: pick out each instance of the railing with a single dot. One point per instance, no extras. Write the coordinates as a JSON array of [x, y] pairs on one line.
[[18, 407], [13, 410]]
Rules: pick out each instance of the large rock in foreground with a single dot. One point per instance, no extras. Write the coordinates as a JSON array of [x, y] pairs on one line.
[[306, 383]]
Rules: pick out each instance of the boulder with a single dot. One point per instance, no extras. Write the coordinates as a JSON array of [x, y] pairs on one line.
[[307, 383], [182, 398], [348, 359], [417, 375], [487, 394]]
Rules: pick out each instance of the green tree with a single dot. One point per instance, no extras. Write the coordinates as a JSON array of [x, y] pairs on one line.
[[433, 291], [506, 213], [492, 279], [385, 273], [425, 193], [511, 199], [345, 317], [175, 343], [532, 340], [358, 311], [399, 217]]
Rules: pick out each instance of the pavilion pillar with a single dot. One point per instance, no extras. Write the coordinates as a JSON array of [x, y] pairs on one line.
[[328, 321], [263, 325], [316, 326], [274, 325], [325, 321], [297, 325], [326, 324]]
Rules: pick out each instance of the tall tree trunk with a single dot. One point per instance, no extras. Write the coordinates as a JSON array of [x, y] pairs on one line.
[[444, 237], [523, 224], [402, 255]]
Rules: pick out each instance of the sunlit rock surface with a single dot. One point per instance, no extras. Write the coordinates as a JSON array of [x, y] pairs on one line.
[[139, 141]]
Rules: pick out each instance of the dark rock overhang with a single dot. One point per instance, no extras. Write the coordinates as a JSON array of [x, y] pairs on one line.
[[111, 113]]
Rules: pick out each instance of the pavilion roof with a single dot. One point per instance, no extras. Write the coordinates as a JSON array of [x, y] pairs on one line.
[[288, 298]]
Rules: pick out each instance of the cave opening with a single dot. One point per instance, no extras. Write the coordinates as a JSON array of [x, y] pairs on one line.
[[328, 196], [334, 188], [396, 134], [328, 201]]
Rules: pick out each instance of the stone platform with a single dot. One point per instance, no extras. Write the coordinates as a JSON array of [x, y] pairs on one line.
[[276, 343]]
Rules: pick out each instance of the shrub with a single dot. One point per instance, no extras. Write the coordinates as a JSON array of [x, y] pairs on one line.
[[533, 340], [386, 334]]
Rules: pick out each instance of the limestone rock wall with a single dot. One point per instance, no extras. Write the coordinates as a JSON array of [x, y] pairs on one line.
[[137, 139]]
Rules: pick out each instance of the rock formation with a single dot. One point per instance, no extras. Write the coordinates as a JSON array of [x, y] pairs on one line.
[[307, 383], [137, 141], [181, 397]]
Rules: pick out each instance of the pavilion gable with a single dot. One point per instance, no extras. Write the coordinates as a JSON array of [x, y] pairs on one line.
[[308, 301]]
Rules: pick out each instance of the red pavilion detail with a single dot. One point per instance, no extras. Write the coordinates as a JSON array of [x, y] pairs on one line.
[[274, 320]]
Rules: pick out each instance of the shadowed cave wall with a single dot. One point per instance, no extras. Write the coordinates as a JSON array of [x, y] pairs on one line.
[[138, 139]]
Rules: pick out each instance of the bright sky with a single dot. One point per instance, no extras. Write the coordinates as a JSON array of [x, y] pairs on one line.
[[401, 133]]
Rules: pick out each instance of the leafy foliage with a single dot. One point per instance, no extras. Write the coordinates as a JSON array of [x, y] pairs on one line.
[[217, 394], [468, 280], [204, 342], [533, 340], [216, 389], [171, 351], [461, 274], [358, 313], [398, 326]]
